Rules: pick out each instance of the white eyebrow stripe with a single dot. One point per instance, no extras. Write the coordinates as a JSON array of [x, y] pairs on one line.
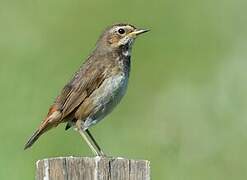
[[118, 27]]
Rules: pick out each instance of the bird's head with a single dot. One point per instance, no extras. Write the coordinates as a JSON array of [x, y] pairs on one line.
[[119, 35]]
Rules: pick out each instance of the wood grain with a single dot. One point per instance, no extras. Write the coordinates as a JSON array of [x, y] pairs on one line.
[[92, 168]]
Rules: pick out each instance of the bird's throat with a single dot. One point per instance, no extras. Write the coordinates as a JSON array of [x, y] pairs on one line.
[[125, 50]]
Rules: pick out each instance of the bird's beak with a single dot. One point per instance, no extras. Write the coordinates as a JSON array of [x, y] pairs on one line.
[[138, 32]]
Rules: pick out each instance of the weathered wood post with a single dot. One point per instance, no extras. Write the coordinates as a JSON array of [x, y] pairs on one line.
[[92, 168]]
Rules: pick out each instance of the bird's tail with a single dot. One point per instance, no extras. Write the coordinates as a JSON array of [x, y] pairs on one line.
[[45, 126], [52, 120], [33, 138]]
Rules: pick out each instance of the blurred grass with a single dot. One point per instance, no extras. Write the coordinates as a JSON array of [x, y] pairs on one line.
[[185, 109]]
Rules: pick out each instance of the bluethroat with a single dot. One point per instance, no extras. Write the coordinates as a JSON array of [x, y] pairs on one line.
[[96, 88]]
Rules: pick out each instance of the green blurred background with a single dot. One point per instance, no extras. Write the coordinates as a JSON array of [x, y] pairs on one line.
[[185, 109]]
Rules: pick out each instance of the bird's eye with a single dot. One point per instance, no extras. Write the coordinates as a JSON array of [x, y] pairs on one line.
[[121, 31]]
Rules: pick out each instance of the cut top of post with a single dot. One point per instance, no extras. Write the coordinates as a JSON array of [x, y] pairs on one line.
[[92, 168]]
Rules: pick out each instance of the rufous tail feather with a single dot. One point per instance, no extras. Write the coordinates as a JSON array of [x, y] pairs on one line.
[[33, 138], [48, 123]]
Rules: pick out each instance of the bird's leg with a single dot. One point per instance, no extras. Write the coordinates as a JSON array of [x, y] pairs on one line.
[[87, 136], [95, 143]]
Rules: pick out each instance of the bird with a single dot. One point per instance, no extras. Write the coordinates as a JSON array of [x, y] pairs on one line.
[[96, 88]]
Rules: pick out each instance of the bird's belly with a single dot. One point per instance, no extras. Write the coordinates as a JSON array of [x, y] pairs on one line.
[[107, 96]]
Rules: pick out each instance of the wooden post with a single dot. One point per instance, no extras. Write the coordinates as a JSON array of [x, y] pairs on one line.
[[95, 168]]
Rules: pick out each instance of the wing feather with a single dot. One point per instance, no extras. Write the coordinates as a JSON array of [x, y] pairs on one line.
[[84, 82]]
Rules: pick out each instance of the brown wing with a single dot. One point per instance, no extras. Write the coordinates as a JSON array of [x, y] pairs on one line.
[[85, 81]]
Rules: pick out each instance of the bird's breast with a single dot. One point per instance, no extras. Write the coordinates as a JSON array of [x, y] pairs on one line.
[[106, 97], [109, 94], [112, 89]]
